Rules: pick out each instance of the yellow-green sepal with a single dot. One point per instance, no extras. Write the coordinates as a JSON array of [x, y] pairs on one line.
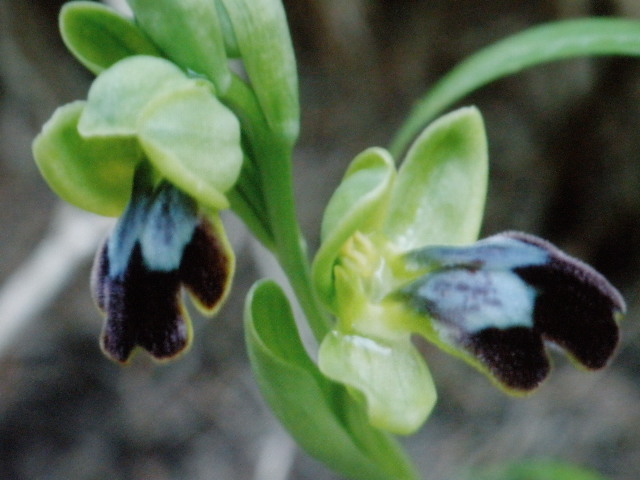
[[93, 174], [98, 36], [439, 195], [389, 374], [118, 95], [184, 131], [193, 140]]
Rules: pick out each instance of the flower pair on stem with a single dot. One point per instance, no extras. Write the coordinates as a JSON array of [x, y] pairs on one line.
[[169, 136]]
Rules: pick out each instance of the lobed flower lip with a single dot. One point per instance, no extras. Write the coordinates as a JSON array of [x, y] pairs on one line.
[[500, 299], [160, 246], [392, 263]]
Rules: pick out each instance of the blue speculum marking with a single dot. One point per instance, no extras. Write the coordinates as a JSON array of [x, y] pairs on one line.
[[502, 297], [160, 220], [171, 222], [126, 233], [472, 300], [494, 253]]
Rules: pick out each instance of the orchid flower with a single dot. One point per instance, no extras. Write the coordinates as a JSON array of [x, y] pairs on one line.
[[399, 257], [157, 148]]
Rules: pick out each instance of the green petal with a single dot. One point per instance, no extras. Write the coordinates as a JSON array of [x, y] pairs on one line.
[[319, 414], [119, 94], [441, 187], [391, 375], [189, 33], [262, 35], [358, 204], [94, 174], [194, 141], [99, 37]]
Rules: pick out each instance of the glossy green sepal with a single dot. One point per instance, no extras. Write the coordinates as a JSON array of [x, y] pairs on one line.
[[98, 36]]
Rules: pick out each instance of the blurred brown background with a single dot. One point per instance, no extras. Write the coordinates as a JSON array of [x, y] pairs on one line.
[[565, 159]]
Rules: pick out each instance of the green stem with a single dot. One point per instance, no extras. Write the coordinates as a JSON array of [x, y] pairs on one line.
[[275, 173], [290, 243]]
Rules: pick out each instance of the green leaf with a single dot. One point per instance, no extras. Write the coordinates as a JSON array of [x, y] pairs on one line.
[[94, 174], [262, 36], [537, 470], [99, 37], [439, 195], [535, 46], [391, 375], [319, 414], [118, 94], [189, 33], [358, 204], [194, 141]]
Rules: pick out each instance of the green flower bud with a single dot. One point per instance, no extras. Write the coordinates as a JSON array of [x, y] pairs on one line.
[[188, 33], [260, 33]]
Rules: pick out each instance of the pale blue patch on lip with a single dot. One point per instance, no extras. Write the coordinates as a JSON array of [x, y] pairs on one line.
[[127, 230], [161, 220], [170, 223], [499, 252], [472, 300]]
